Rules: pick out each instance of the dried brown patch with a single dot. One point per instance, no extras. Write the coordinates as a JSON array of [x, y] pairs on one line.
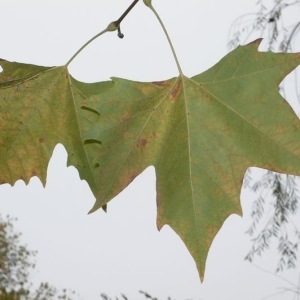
[[161, 83], [142, 143], [280, 129], [125, 117], [132, 177], [154, 135], [176, 90]]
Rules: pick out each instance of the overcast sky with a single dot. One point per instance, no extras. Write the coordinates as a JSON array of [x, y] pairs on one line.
[[121, 251]]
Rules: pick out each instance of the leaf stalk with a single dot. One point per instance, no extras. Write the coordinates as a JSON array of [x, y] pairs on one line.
[[87, 43], [149, 4]]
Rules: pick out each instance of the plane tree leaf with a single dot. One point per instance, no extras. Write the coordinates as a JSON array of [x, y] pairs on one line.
[[39, 108], [200, 134]]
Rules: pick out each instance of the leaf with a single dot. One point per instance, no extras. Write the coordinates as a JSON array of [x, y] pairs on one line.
[[39, 109], [201, 134]]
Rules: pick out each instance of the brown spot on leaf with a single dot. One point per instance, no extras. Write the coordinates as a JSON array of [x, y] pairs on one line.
[[132, 177], [161, 83], [126, 179], [33, 172], [142, 143], [41, 140], [153, 135], [241, 181], [176, 90], [280, 129], [125, 117]]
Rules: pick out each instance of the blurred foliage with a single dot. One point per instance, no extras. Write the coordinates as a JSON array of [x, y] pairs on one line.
[[278, 21], [272, 217], [124, 297], [16, 263]]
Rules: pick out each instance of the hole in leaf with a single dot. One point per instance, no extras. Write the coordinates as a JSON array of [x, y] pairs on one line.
[[92, 141], [90, 109]]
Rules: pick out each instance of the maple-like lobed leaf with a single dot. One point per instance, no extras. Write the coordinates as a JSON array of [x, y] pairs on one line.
[[39, 108], [201, 134]]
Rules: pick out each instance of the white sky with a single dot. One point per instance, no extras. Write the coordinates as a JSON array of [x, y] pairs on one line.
[[121, 251]]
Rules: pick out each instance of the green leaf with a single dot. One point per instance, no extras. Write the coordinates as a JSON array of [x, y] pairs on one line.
[[201, 134], [39, 109]]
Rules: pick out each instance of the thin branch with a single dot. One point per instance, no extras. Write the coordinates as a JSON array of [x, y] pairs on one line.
[[118, 22], [297, 26]]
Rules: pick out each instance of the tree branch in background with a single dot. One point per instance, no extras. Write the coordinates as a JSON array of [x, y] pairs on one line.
[[274, 218], [16, 263]]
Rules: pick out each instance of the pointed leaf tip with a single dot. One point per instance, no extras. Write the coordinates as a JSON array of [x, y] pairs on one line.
[[201, 134]]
